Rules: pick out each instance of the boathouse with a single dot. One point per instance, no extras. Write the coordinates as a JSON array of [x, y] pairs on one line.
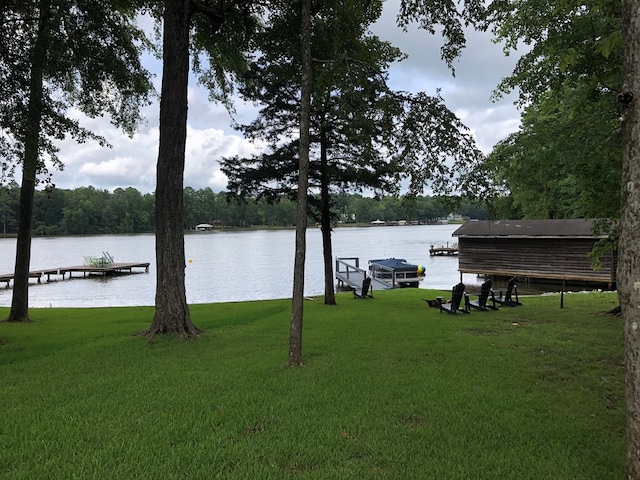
[[533, 249]]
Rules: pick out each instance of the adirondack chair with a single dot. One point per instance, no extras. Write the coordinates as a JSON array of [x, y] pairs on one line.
[[507, 300], [481, 302], [432, 303], [366, 291], [457, 294]]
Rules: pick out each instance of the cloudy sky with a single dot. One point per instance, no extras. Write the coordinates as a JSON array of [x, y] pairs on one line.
[[131, 161]]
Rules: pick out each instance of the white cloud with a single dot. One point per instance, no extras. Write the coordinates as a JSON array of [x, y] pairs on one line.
[[129, 162], [478, 71], [204, 149], [210, 136]]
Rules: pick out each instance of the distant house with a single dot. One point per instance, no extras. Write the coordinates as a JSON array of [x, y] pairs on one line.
[[532, 249], [203, 227]]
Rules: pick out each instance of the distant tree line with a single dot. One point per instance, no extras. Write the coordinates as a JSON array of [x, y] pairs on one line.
[[88, 210]]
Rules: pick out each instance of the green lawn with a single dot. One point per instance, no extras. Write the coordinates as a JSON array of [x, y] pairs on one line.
[[390, 390]]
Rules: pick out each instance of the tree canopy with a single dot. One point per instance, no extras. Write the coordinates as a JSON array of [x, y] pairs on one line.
[[92, 63], [565, 161], [91, 211], [56, 55]]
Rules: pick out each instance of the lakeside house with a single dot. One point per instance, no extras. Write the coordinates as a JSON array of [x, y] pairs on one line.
[[546, 250], [204, 227]]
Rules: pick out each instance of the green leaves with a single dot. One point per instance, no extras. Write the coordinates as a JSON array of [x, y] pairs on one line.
[[448, 16], [565, 161], [221, 42], [92, 63], [609, 44], [364, 135], [350, 109], [570, 41]]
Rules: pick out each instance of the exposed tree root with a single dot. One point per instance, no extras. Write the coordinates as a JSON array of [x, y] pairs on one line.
[[172, 320], [616, 311], [181, 332], [14, 319]]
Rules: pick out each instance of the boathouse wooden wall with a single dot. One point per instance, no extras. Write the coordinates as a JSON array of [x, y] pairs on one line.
[[559, 259], [533, 256]]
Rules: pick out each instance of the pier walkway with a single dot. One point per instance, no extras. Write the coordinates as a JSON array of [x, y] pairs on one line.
[[116, 268], [434, 251], [349, 274]]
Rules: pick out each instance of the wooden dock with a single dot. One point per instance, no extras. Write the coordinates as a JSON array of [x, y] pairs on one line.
[[350, 275], [116, 268], [7, 277], [437, 251]]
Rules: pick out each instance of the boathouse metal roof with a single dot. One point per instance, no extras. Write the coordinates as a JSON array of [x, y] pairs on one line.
[[565, 228]]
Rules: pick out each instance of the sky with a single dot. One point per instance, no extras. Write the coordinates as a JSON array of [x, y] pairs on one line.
[[131, 161]]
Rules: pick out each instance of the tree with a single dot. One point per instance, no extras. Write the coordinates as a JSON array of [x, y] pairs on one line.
[[343, 117], [9, 199], [171, 309], [576, 44], [48, 211], [364, 136], [628, 273], [570, 132], [568, 138], [219, 34], [451, 15], [571, 44], [297, 303], [55, 55]]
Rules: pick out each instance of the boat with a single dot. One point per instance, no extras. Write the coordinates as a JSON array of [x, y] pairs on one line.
[[396, 272]]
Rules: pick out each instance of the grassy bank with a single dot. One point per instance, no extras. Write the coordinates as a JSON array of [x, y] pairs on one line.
[[391, 390]]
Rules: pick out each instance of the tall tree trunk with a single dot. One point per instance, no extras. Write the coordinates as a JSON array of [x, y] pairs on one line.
[[20, 297], [325, 222], [327, 251], [172, 312], [628, 280], [297, 304]]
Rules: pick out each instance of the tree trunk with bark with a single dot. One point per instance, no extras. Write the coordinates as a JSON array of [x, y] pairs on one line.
[[20, 296], [325, 223], [327, 252], [297, 304], [628, 273], [172, 315]]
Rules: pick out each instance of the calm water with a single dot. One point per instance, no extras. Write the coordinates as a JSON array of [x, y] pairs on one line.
[[224, 266]]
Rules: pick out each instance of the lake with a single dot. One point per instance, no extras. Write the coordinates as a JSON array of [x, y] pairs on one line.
[[225, 266]]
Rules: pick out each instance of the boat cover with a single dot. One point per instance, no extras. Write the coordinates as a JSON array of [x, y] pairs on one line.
[[399, 264]]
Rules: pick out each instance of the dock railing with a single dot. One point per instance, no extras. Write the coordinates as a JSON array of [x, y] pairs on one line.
[[350, 266], [349, 273], [389, 273]]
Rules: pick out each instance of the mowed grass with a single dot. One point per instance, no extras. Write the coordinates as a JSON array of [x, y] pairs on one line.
[[391, 389]]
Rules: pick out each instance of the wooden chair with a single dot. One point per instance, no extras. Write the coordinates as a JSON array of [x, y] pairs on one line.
[[507, 301], [481, 302], [457, 294], [432, 303], [366, 291]]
